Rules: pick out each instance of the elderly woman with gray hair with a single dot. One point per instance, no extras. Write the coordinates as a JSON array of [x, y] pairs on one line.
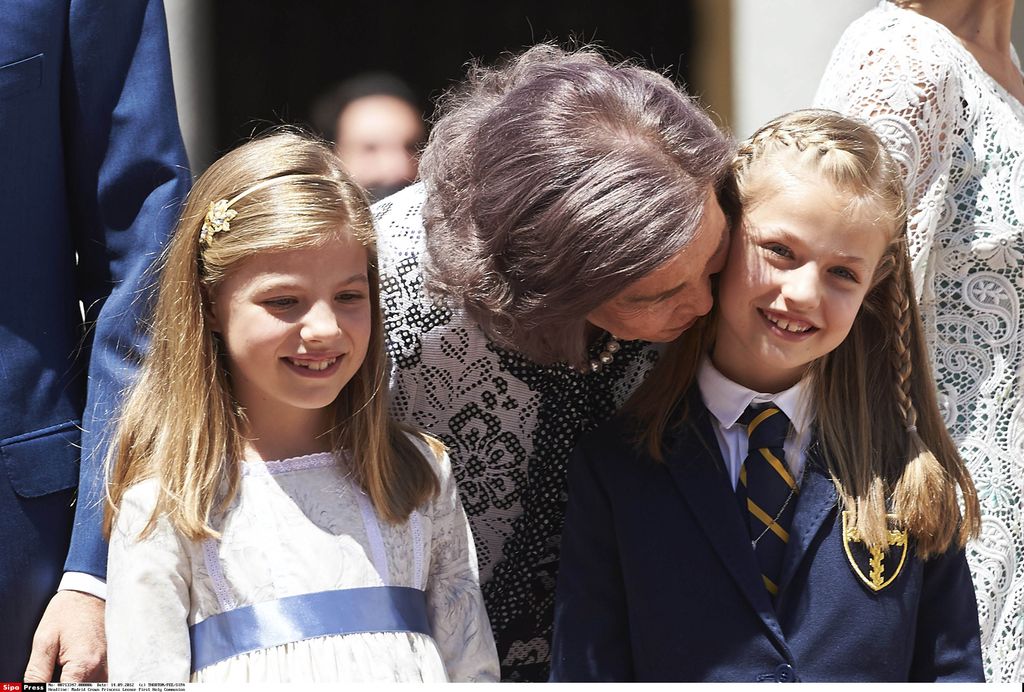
[[571, 216]]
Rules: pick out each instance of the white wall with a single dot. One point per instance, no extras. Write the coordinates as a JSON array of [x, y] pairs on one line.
[[189, 35], [780, 49]]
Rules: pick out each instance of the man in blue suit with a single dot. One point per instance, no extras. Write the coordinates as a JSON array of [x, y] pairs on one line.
[[92, 170]]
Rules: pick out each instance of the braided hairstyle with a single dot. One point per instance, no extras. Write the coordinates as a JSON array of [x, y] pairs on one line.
[[884, 439], [877, 417]]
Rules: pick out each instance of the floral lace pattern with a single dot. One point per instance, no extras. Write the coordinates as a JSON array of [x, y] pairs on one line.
[[960, 139], [509, 425]]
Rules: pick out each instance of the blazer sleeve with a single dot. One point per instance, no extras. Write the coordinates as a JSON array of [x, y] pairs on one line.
[[591, 639], [948, 642], [126, 174]]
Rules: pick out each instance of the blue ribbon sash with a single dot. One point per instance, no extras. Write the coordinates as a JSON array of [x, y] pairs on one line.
[[295, 618]]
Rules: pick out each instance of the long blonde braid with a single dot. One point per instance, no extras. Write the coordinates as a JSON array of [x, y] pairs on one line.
[[926, 482]]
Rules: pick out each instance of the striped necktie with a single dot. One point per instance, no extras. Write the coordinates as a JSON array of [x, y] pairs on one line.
[[769, 488]]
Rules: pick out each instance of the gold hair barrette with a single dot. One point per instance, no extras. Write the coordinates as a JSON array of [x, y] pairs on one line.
[[218, 219]]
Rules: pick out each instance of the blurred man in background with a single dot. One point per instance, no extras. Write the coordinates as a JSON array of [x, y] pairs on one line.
[[378, 129]]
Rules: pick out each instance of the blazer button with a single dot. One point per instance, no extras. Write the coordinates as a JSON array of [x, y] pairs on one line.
[[785, 673]]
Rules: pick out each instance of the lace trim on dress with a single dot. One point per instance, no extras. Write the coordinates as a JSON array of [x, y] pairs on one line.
[[416, 527], [318, 460], [211, 549], [374, 536]]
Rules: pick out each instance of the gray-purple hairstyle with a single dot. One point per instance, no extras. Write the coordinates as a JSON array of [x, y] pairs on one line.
[[555, 181]]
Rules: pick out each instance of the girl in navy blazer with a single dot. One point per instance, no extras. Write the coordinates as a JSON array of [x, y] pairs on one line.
[[781, 503]]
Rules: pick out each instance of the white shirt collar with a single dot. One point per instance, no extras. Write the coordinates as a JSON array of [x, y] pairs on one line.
[[727, 400]]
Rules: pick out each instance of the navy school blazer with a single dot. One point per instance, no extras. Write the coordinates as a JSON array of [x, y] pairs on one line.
[[658, 581]]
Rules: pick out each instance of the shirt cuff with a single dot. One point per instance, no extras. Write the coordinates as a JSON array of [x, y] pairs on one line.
[[86, 583]]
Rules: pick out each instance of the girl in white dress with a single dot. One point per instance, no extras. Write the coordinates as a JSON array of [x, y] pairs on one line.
[[267, 520]]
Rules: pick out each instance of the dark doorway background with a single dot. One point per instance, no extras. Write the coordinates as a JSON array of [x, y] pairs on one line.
[[273, 58]]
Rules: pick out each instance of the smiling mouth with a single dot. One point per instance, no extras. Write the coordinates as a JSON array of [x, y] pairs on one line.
[[315, 365], [788, 325]]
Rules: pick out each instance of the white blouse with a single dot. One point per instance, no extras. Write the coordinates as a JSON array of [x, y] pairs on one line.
[[299, 529], [959, 137]]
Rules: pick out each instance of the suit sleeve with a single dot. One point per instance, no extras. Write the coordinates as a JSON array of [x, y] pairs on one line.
[[591, 639], [126, 175], [948, 643]]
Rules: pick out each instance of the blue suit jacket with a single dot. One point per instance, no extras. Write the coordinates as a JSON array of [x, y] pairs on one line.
[[92, 170], [658, 581]]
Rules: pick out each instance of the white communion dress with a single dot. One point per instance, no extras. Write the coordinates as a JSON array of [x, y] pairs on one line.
[[305, 584], [959, 137]]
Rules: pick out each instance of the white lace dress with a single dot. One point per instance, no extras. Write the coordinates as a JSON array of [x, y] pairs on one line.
[[960, 138], [305, 585]]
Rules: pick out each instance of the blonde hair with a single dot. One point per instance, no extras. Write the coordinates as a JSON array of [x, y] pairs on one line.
[[180, 423], [885, 442]]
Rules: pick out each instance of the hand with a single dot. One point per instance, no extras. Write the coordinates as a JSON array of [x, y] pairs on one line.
[[71, 635]]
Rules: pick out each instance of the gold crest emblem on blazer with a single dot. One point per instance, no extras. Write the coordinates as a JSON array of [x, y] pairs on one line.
[[876, 568]]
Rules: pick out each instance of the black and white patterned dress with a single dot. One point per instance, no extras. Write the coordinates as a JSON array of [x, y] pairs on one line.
[[509, 425]]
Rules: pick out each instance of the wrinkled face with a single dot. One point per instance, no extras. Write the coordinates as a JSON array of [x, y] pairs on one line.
[[666, 302], [296, 326], [378, 140], [797, 274]]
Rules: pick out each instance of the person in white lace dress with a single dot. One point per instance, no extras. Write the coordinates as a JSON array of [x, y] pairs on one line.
[[268, 520], [942, 85]]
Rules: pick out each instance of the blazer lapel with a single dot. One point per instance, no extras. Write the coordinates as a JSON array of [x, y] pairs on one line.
[[695, 464], [817, 500]]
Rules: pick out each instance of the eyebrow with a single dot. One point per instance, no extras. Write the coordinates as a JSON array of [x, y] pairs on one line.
[[722, 243], [284, 281], [850, 259], [357, 278]]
